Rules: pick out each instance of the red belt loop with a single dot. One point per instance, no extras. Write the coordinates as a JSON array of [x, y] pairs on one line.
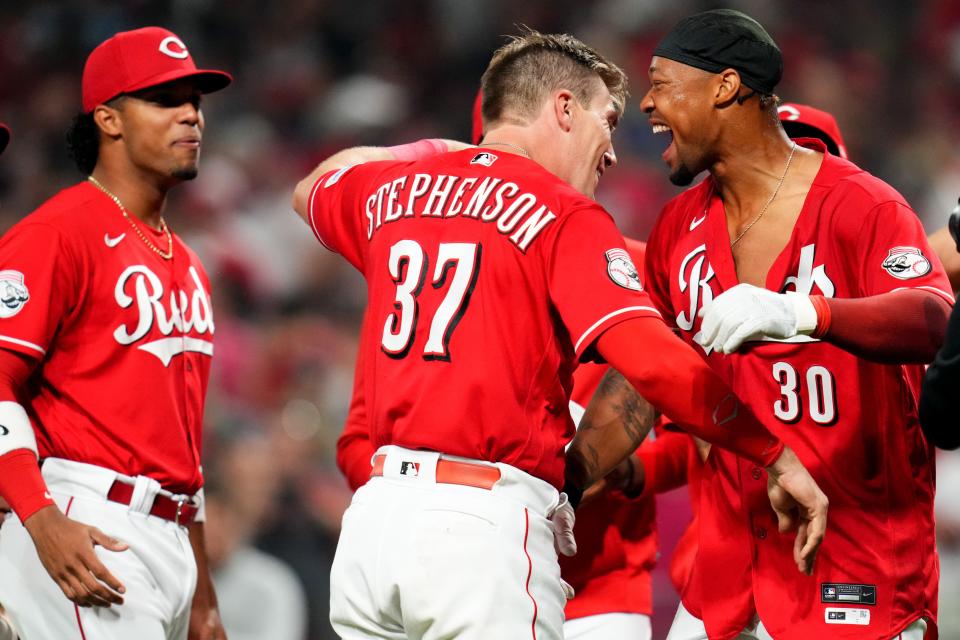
[[468, 474], [177, 511]]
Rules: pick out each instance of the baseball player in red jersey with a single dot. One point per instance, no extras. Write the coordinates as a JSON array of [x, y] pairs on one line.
[[106, 328], [809, 286], [490, 272]]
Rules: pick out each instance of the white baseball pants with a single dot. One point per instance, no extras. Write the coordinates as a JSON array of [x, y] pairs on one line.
[[158, 570], [687, 627], [425, 560], [609, 626]]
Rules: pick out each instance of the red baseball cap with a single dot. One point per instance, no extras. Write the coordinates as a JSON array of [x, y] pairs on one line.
[[4, 136], [134, 60], [802, 121]]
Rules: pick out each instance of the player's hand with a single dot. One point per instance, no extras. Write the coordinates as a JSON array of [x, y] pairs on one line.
[[65, 548], [562, 519], [746, 313], [628, 478], [799, 504]]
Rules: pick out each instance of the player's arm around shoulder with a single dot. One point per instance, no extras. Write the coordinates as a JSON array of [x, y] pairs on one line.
[[359, 155]]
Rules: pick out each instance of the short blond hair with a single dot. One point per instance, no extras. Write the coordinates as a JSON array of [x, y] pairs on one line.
[[528, 68]]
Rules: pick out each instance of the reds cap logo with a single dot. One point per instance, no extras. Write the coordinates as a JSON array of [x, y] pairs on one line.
[[905, 263], [621, 269], [13, 293], [174, 47]]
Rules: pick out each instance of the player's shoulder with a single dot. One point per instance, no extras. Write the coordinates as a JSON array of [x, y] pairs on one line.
[[855, 190], [65, 212], [70, 207]]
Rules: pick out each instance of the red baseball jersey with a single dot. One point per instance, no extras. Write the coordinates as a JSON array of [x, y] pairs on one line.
[[122, 336], [852, 422], [488, 279]]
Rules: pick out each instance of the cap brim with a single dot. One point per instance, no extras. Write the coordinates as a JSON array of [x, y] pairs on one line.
[[4, 136], [208, 80]]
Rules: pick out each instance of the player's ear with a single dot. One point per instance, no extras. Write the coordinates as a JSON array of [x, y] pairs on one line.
[[108, 120], [563, 109], [727, 87]]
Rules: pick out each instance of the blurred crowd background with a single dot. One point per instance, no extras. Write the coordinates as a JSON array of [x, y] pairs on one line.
[[314, 76]]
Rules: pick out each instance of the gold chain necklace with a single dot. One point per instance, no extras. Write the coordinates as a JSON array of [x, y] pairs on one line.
[[508, 144], [775, 192], [166, 255]]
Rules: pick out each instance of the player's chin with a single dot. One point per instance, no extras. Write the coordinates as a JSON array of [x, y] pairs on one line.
[[185, 172]]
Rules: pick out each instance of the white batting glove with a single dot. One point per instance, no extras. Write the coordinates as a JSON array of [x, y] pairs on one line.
[[562, 519], [745, 313]]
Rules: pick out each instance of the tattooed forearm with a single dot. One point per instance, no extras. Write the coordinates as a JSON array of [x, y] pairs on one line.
[[615, 423]]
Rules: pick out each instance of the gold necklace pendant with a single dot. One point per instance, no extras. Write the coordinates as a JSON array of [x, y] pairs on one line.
[[166, 255]]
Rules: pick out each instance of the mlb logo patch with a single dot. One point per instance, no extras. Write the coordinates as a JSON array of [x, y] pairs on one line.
[[484, 158], [408, 468]]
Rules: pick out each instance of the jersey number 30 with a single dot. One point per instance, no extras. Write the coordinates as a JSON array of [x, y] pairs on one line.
[[821, 391], [409, 265]]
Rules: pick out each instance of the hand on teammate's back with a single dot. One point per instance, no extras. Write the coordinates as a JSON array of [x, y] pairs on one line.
[[65, 548], [799, 504]]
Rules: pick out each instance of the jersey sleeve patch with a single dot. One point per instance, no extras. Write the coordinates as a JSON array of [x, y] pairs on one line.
[[622, 271], [905, 263], [13, 293]]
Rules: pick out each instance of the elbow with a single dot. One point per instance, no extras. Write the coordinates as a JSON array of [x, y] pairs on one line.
[[301, 196]]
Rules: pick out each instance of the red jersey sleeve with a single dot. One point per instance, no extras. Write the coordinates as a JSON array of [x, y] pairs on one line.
[[338, 209], [893, 253], [38, 287], [593, 282], [354, 447]]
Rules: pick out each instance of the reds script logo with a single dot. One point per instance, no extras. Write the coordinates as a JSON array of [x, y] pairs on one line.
[[695, 275], [186, 314]]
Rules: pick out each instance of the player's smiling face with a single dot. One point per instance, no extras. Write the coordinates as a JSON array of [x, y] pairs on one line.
[[163, 128], [680, 106], [597, 121]]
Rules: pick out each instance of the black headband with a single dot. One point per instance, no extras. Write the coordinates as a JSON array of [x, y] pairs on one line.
[[726, 39]]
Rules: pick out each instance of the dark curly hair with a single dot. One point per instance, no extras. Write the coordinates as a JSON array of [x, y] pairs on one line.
[[83, 142]]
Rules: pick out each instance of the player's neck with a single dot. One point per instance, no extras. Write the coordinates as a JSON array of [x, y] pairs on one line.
[[746, 176], [140, 196]]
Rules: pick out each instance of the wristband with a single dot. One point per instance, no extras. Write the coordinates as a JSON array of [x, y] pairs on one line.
[[418, 150], [21, 483], [824, 316]]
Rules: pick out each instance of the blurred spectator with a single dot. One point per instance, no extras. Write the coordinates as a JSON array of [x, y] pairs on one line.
[[259, 596]]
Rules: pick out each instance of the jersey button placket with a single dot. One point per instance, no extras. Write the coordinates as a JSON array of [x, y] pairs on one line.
[[761, 533], [756, 473]]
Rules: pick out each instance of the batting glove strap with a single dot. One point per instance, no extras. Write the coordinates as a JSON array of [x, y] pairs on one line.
[[805, 310]]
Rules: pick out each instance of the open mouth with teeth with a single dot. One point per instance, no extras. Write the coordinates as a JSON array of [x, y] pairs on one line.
[[671, 150]]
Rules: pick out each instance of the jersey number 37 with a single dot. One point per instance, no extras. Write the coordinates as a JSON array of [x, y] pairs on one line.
[[409, 266]]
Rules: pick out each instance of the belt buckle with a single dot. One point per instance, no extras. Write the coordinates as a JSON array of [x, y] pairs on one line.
[[180, 502]]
